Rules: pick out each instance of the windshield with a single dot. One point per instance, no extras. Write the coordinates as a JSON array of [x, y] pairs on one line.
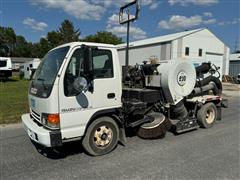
[[46, 73], [3, 63]]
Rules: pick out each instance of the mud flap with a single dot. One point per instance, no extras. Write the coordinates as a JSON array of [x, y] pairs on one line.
[[122, 136]]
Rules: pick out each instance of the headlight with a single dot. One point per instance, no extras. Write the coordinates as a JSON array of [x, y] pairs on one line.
[[51, 120]]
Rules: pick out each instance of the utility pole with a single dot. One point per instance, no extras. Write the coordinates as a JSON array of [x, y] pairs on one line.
[[130, 18]]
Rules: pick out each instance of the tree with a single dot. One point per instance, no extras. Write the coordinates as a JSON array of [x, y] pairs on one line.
[[68, 33], [22, 48], [104, 37], [7, 39], [43, 47], [54, 39]]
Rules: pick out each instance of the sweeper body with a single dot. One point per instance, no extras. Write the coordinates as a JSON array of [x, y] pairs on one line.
[[80, 92]]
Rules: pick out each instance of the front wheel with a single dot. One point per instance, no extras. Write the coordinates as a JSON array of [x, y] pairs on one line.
[[207, 115], [101, 137]]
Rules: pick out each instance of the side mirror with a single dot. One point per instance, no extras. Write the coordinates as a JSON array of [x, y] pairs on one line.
[[80, 84]]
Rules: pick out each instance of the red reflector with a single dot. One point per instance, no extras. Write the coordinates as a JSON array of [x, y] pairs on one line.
[[218, 97]]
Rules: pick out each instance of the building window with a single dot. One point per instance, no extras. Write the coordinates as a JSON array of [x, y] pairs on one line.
[[200, 52], [187, 51]]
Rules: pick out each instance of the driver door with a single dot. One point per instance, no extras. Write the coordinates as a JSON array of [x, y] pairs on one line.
[[77, 109]]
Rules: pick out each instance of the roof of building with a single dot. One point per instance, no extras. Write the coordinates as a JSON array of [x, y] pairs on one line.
[[160, 39], [20, 59], [234, 57]]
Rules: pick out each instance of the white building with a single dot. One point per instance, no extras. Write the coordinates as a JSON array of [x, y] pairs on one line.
[[234, 64], [199, 45]]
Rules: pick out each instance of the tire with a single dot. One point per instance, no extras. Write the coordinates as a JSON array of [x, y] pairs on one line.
[[101, 137], [207, 115]]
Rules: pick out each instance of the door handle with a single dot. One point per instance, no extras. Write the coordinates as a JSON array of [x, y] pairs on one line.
[[111, 95]]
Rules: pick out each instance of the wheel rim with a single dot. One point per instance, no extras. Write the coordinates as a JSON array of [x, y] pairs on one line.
[[210, 116], [103, 136]]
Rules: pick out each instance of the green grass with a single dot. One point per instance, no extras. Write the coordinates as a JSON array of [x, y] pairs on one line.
[[13, 100]]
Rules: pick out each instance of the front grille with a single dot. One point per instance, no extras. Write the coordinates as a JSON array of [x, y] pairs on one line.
[[35, 115]]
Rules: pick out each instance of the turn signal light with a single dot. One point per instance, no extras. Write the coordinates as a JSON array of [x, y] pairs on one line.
[[53, 119]]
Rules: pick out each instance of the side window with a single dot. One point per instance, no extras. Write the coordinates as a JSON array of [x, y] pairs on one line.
[[200, 52], [102, 64], [73, 71], [187, 51]]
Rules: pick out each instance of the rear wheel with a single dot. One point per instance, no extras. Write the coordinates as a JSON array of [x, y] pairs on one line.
[[101, 137], [207, 115]]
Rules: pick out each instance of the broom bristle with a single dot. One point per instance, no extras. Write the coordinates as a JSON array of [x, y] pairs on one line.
[[156, 129]]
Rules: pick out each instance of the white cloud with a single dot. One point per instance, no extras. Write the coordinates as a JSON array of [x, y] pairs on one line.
[[113, 20], [210, 21], [230, 22], [88, 9], [81, 9], [207, 14], [193, 2], [235, 21], [180, 22], [154, 6], [32, 23], [183, 22], [221, 23], [121, 30]]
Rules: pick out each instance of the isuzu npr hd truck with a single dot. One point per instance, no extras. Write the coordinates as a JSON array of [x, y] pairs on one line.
[[80, 92]]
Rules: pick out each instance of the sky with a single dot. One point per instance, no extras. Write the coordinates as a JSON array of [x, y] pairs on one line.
[[34, 18]]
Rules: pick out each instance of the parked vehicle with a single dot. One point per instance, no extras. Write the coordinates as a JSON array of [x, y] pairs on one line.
[[28, 69], [77, 93], [5, 67], [238, 78]]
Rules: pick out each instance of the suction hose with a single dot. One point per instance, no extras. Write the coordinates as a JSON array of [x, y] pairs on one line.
[[179, 111], [209, 83]]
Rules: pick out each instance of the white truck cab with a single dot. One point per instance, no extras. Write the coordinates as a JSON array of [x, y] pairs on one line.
[[57, 112]]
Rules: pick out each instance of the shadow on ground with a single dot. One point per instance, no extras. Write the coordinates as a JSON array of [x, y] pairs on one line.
[[68, 149]]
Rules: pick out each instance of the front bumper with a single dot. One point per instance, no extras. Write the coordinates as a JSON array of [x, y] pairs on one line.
[[39, 134]]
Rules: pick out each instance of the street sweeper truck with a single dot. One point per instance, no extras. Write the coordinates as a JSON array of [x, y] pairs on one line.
[[80, 92]]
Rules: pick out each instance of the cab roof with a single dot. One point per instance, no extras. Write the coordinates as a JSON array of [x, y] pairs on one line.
[[73, 44]]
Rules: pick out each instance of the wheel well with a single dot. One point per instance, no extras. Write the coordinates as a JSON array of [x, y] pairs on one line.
[[113, 113]]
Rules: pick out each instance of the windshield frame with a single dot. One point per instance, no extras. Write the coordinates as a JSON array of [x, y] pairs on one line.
[[47, 71]]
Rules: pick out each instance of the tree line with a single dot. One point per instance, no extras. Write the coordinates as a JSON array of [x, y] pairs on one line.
[[16, 45]]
